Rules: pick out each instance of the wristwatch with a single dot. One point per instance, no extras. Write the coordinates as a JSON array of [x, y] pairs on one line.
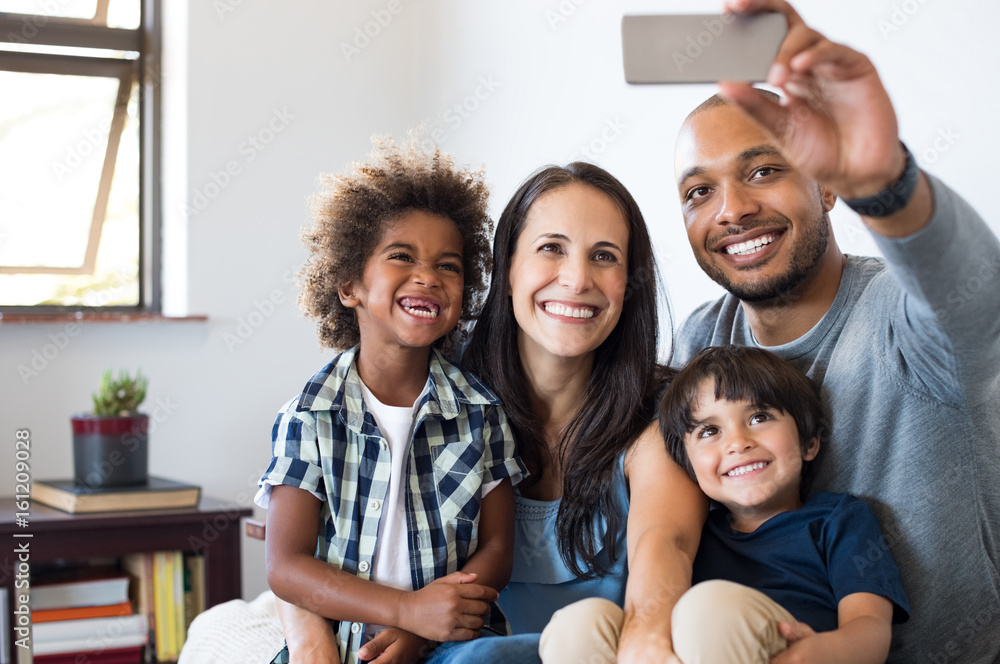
[[893, 198]]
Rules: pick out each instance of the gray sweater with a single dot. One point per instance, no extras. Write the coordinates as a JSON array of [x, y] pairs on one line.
[[908, 362]]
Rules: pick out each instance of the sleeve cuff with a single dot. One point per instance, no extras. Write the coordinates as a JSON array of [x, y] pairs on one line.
[[931, 242], [512, 468], [263, 496]]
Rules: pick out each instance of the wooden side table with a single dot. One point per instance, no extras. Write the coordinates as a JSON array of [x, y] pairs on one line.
[[211, 529]]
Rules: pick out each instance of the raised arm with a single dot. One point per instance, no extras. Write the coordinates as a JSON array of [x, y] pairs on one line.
[[666, 513], [837, 125]]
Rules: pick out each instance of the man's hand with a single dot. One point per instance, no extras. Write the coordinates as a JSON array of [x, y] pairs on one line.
[[837, 124], [394, 646], [448, 609]]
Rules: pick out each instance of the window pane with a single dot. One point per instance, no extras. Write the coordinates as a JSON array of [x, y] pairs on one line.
[[54, 133], [124, 14], [116, 278], [63, 8], [113, 13]]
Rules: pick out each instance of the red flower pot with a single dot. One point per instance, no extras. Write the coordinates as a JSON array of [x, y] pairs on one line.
[[110, 451]]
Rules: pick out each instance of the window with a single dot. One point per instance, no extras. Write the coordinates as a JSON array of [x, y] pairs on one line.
[[78, 140]]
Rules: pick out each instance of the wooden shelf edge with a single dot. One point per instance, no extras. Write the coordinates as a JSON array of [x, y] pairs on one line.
[[95, 317]]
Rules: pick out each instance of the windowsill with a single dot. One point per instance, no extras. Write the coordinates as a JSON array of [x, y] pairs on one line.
[[96, 317]]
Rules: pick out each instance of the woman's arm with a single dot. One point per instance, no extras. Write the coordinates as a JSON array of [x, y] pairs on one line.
[[440, 611], [666, 513], [863, 635]]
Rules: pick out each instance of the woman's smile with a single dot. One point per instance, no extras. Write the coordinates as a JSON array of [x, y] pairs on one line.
[[569, 272]]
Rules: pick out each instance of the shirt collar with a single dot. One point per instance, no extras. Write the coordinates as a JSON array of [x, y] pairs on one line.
[[337, 386]]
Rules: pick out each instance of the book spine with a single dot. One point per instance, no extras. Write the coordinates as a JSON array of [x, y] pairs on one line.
[[102, 611], [80, 593], [97, 629], [179, 629], [91, 634], [150, 602], [168, 617], [196, 563], [140, 568], [160, 611], [189, 610]]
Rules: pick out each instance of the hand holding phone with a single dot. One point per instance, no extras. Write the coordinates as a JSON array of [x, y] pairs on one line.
[[700, 48]]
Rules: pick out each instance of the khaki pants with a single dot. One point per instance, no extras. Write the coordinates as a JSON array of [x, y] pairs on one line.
[[715, 622]]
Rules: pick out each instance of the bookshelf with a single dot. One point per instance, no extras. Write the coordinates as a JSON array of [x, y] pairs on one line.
[[212, 529]]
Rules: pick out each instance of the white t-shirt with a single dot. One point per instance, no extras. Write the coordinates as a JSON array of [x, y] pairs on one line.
[[391, 566]]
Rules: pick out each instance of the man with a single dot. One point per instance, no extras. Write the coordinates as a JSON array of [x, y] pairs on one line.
[[906, 350]]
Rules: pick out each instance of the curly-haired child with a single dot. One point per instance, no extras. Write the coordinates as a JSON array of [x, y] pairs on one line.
[[389, 494]]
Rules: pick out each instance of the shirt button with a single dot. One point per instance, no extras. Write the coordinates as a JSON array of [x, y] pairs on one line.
[[355, 628], [375, 505], [383, 444], [364, 566]]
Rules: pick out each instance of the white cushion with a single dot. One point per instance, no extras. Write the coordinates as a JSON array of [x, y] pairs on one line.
[[236, 631]]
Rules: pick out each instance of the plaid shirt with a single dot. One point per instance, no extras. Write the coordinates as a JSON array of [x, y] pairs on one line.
[[325, 441]]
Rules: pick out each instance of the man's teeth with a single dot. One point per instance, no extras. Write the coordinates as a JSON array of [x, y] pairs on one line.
[[742, 470], [750, 246], [569, 312]]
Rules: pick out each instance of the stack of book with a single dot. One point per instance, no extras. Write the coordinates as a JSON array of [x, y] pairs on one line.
[[168, 589], [157, 493], [86, 619]]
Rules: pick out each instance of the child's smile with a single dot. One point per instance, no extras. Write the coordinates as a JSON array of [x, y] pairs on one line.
[[411, 292], [420, 307], [746, 468], [747, 457]]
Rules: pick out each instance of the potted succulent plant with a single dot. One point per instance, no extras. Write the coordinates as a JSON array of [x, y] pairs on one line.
[[111, 445]]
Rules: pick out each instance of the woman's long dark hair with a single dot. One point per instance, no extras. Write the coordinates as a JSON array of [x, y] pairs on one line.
[[619, 400]]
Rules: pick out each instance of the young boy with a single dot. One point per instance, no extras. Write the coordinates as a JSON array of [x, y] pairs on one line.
[[389, 494], [786, 573]]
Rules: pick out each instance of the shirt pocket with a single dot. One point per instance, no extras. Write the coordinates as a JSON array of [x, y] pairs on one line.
[[458, 471]]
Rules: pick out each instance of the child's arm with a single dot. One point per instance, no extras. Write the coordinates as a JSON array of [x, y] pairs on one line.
[[862, 637], [309, 637], [666, 514], [439, 611], [494, 557], [491, 563]]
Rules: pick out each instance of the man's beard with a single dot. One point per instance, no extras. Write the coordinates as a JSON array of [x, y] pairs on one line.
[[806, 255]]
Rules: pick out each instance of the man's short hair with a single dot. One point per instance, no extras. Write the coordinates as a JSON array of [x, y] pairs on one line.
[[717, 100]]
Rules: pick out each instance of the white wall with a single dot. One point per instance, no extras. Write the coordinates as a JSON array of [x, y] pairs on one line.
[[555, 84]]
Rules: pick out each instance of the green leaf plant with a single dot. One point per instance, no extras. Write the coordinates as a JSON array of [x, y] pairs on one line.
[[120, 397]]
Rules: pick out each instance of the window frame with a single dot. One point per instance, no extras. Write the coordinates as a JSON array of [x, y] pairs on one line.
[[146, 69]]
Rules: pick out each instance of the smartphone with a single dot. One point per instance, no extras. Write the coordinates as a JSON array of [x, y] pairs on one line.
[[700, 48]]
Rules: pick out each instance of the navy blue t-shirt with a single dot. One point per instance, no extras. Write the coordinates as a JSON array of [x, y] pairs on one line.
[[806, 560]]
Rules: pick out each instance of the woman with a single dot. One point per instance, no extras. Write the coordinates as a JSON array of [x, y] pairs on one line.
[[567, 339]]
